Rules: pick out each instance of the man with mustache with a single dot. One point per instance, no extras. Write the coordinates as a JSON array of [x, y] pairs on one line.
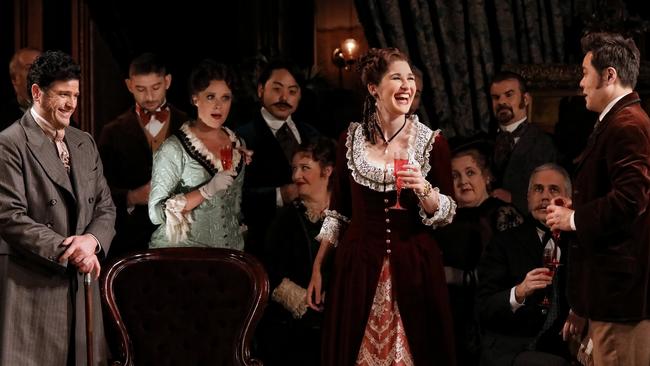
[[273, 136], [520, 328], [127, 145], [520, 145], [609, 225]]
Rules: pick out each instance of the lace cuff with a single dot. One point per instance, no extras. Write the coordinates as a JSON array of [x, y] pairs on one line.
[[331, 228], [443, 215], [177, 223]]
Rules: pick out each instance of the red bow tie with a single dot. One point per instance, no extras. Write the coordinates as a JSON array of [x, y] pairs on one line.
[[161, 115]]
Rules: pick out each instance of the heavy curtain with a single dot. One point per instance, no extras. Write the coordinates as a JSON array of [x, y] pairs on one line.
[[460, 44]]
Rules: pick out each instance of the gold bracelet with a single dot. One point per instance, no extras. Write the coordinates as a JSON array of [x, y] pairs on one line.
[[426, 192]]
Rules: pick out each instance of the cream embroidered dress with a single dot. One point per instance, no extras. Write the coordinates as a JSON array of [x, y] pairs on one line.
[[387, 303], [183, 164]]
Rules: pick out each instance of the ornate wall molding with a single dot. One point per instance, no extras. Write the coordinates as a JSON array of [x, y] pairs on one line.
[[563, 77]]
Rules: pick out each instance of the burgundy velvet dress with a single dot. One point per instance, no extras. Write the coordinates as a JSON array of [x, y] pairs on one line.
[[370, 233]]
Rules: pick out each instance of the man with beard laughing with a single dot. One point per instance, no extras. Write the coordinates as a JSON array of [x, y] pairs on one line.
[[520, 145], [273, 136]]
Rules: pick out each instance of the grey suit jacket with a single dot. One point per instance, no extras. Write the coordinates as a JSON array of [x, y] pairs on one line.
[[40, 205]]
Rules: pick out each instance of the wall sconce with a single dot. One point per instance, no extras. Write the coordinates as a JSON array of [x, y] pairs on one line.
[[350, 51], [345, 56]]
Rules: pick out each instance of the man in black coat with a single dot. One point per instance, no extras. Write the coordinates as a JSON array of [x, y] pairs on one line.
[[520, 145], [273, 136], [520, 328]]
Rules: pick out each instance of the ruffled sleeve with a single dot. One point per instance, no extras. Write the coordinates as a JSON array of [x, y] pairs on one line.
[[166, 175], [333, 224]]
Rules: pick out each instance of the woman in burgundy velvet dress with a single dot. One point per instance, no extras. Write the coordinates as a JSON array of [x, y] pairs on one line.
[[387, 301]]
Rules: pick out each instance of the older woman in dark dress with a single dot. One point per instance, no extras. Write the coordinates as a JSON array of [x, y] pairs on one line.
[[477, 218], [289, 333]]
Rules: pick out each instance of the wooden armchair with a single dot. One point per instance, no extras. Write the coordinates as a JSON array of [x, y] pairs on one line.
[[184, 306]]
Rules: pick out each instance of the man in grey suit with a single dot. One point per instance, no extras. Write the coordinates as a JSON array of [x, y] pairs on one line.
[[56, 222]]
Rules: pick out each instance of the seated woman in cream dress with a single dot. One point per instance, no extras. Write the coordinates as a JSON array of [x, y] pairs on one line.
[[194, 198]]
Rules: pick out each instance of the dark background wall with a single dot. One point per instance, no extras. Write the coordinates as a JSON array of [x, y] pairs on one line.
[[105, 35]]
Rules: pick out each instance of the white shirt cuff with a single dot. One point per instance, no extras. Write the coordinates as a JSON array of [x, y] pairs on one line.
[[573, 221], [278, 197], [98, 248], [514, 305]]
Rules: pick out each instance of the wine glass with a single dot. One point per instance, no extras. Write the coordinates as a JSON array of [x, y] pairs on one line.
[[400, 158], [225, 153], [551, 263]]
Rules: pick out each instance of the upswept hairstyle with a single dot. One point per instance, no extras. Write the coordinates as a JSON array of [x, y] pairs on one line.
[[206, 71], [148, 63], [373, 66], [52, 66], [613, 50]]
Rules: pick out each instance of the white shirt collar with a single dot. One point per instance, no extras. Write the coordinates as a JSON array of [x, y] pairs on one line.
[[274, 123], [609, 106], [513, 126], [46, 126]]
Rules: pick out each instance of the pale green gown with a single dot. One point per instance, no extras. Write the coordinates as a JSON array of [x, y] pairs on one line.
[[215, 222]]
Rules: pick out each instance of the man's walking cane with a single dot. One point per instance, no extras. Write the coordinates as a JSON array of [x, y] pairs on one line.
[[88, 290]]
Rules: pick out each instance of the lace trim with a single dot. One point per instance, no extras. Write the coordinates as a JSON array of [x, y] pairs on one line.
[[443, 215], [384, 341], [205, 157], [332, 225], [382, 180], [177, 223]]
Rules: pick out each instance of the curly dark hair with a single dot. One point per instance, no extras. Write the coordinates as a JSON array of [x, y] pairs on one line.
[[373, 66], [52, 66], [613, 50], [207, 71]]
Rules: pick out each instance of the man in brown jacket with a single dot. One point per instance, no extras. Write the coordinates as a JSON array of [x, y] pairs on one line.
[[609, 225], [56, 223]]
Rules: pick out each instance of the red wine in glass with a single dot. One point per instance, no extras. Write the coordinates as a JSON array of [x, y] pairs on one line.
[[551, 263], [400, 159], [226, 156]]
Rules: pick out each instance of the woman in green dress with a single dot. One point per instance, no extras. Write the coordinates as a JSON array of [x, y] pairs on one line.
[[198, 172]]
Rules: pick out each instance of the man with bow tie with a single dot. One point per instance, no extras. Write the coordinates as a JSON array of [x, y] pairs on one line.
[[127, 145], [519, 327], [520, 145]]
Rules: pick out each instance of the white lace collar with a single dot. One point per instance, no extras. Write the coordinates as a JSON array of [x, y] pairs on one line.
[[382, 179], [201, 149]]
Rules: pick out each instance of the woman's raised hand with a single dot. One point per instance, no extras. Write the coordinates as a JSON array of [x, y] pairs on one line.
[[412, 177]]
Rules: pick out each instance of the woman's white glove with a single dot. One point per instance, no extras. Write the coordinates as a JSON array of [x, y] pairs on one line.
[[220, 182]]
